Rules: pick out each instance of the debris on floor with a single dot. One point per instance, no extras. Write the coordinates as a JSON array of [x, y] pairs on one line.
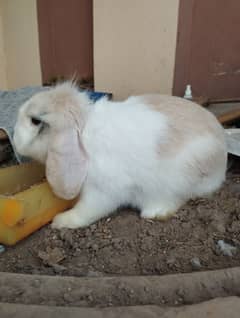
[[125, 244], [196, 264], [225, 248]]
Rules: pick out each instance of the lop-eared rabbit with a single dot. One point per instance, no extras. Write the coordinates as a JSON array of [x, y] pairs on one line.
[[153, 152]]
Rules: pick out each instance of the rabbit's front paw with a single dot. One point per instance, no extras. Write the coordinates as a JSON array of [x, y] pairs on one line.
[[69, 219]]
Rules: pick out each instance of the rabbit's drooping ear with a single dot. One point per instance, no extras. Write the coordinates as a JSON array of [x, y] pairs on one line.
[[66, 165]]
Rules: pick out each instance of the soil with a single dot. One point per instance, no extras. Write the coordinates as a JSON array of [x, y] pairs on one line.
[[125, 244]]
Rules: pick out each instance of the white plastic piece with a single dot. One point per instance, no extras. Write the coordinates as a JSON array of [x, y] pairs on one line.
[[225, 248], [233, 141], [188, 92]]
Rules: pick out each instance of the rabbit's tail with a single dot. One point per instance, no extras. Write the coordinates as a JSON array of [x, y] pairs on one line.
[[233, 141]]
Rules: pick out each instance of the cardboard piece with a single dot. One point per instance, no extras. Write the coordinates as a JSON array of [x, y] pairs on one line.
[[26, 202]]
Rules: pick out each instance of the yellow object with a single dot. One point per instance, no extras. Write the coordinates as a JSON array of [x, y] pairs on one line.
[[26, 202]]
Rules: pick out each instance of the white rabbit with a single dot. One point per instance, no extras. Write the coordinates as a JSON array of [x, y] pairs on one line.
[[153, 152]]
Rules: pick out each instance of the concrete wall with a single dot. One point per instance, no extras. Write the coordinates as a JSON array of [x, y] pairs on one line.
[[134, 46], [20, 36]]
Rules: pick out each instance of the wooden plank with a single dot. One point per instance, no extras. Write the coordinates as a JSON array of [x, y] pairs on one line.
[[226, 117], [183, 49], [224, 100], [229, 116]]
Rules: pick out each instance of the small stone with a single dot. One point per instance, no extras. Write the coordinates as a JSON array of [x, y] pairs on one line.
[[195, 262], [171, 262], [225, 248], [95, 247], [90, 298], [88, 245], [180, 292], [43, 256], [58, 268], [2, 249], [52, 256], [62, 233], [146, 289], [67, 297], [163, 300], [93, 227], [36, 283]]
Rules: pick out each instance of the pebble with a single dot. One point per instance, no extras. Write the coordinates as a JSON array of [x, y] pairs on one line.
[[171, 261], [225, 248], [95, 247], [2, 248], [195, 262], [52, 256], [58, 268]]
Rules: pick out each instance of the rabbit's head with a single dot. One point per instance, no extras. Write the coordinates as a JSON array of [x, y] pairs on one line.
[[48, 129]]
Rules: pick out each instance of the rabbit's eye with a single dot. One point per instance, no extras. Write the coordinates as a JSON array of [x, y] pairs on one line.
[[35, 121]]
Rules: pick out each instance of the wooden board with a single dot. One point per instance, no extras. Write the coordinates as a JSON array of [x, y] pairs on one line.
[[229, 116], [226, 116]]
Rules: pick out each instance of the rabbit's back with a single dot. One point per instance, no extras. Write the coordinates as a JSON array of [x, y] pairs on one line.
[[154, 146], [186, 120]]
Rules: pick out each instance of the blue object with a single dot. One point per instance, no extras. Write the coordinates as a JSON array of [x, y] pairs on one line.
[[98, 95]]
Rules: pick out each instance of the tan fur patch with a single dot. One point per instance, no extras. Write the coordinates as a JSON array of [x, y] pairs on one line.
[[165, 217], [186, 121]]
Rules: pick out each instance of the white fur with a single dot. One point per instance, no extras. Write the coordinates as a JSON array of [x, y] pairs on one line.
[[128, 159]]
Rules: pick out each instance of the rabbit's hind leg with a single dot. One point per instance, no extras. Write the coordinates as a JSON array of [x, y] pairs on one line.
[[161, 211]]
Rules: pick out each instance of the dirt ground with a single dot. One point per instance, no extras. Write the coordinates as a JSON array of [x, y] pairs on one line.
[[125, 244]]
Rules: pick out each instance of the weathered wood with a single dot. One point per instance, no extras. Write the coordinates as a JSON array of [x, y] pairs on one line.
[[3, 135], [229, 116], [224, 100]]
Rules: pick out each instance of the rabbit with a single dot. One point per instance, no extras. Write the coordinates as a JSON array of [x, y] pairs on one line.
[[152, 152]]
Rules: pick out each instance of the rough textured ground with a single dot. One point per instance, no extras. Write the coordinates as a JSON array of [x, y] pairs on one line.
[[114, 291], [217, 308], [126, 244]]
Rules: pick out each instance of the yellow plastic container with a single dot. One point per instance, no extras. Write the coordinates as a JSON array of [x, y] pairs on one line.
[[26, 202]]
